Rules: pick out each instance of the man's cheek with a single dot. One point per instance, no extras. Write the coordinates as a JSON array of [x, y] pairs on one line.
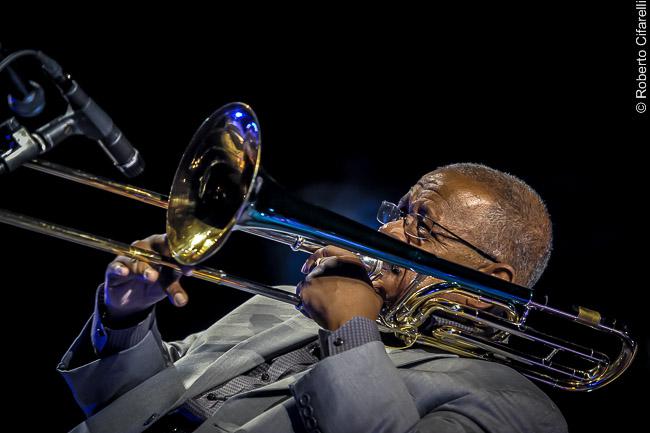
[[392, 285]]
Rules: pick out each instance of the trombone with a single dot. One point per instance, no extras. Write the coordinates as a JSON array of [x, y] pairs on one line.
[[219, 187]]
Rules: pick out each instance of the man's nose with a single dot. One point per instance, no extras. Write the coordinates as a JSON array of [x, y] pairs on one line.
[[394, 229]]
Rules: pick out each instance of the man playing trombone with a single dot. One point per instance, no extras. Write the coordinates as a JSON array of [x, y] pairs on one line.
[[267, 367]]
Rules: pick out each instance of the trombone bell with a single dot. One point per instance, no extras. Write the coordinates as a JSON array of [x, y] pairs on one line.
[[213, 183]]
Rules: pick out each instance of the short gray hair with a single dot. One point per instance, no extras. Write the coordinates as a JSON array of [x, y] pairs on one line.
[[517, 229]]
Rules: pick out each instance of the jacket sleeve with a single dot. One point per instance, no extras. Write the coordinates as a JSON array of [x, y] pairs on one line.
[[103, 363]]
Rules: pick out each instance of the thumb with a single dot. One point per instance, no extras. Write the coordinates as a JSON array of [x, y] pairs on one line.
[[176, 294]]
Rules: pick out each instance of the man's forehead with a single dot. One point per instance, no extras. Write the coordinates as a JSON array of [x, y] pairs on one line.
[[450, 187], [428, 185]]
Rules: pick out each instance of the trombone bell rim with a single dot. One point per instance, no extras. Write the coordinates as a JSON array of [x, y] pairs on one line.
[[219, 171]]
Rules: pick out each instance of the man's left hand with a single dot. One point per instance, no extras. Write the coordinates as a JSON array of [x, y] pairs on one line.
[[337, 288]]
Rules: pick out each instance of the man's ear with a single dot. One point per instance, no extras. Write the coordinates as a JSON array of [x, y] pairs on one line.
[[500, 270]]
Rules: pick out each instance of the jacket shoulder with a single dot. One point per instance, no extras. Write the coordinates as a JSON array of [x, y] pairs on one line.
[[494, 396]]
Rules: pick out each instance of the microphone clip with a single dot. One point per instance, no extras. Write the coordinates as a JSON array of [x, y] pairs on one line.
[[17, 145]]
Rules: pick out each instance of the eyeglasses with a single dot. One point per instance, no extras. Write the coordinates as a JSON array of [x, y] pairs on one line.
[[389, 212]]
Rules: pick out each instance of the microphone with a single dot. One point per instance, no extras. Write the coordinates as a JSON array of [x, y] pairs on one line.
[[96, 124], [93, 122], [83, 117], [26, 100]]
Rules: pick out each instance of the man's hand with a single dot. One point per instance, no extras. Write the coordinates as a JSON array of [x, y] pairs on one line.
[[337, 289], [132, 286]]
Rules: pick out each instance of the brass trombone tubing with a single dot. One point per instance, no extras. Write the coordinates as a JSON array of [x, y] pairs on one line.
[[108, 245], [517, 327], [297, 243], [604, 370], [306, 238], [153, 198], [525, 360], [79, 176], [532, 335]]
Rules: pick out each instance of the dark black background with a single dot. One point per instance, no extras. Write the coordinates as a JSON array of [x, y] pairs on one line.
[[350, 116]]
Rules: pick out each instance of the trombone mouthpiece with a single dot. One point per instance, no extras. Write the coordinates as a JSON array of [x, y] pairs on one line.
[[372, 265]]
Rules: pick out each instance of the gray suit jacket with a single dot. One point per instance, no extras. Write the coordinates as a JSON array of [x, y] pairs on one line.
[[364, 389]]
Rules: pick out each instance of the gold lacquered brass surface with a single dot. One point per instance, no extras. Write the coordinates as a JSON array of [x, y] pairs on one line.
[[213, 183], [503, 333], [590, 317]]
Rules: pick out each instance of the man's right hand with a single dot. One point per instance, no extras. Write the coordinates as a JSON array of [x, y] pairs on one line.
[[132, 286]]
